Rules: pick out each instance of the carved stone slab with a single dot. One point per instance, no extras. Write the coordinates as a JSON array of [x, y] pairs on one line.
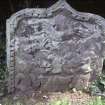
[[54, 49]]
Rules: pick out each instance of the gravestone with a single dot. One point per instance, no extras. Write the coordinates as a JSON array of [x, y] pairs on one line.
[[54, 49]]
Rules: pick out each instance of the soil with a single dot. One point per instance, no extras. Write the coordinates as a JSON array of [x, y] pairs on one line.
[[39, 98]]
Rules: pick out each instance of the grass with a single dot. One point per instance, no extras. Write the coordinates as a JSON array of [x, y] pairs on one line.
[[97, 101], [11, 102], [60, 102], [54, 102], [17, 103]]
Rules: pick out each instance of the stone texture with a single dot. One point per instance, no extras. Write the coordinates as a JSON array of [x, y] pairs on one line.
[[56, 83], [54, 49]]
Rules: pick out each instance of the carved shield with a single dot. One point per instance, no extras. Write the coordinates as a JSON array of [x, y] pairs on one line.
[[54, 49]]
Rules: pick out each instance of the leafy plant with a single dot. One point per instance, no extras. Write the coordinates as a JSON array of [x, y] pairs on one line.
[[98, 86]]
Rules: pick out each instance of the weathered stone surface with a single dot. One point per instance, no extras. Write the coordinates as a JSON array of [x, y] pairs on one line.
[[54, 49], [56, 83]]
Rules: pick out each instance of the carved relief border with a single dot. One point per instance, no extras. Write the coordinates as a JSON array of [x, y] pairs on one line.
[[40, 13]]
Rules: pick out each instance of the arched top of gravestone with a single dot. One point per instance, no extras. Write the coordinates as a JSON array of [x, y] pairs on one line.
[[55, 8]]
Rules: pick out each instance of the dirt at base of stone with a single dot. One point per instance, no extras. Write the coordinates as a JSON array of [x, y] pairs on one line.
[[38, 98]]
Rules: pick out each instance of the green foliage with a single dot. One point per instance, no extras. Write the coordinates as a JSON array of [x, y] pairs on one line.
[[97, 101], [60, 102], [16, 103], [2, 53], [8, 101], [98, 86], [2, 71], [11, 102]]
